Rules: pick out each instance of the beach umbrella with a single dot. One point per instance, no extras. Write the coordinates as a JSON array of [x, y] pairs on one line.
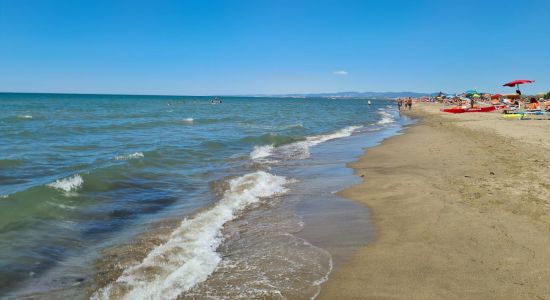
[[496, 96], [471, 92], [516, 83], [476, 96]]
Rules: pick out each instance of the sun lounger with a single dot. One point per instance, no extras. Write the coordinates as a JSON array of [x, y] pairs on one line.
[[535, 114], [528, 114], [510, 110]]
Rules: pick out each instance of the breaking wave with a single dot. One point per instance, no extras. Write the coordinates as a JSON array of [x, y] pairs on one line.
[[261, 152], [387, 118], [188, 120], [68, 184], [300, 149], [129, 156], [189, 256]]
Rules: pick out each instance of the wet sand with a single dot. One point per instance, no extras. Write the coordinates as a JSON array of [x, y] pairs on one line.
[[461, 209]]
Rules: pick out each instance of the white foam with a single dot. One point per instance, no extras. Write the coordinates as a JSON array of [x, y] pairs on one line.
[[324, 279], [298, 150], [188, 120], [189, 256], [261, 152], [344, 132], [25, 116], [386, 118], [129, 156], [68, 184]]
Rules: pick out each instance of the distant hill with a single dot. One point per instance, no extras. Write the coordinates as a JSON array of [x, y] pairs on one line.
[[371, 95]]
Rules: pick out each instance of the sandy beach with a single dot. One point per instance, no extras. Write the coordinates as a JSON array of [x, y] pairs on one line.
[[461, 208]]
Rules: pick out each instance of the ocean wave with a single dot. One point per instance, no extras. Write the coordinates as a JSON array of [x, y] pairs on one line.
[[295, 126], [205, 121], [129, 156], [270, 139], [344, 132], [24, 116], [300, 149], [188, 120], [62, 206], [261, 152], [68, 184], [189, 256], [387, 118]]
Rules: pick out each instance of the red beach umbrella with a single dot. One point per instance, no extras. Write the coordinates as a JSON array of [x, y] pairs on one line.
[[517, 82], [496, 96]]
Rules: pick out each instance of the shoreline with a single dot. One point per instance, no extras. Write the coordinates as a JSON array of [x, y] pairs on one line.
[[459, 205], [310, 210]]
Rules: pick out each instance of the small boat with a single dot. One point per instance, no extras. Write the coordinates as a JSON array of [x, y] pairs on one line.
[[459, 110], [216, 100]]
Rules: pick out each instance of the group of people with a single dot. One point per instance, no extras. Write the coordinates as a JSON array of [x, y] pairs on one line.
[[533, 104], [407, 102]]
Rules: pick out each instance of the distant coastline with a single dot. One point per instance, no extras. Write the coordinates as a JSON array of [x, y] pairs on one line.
[[336, 95], [373, 95]]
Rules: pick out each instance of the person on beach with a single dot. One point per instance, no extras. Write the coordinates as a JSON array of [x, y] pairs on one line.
[[409, 103], [533, 104], [399, 103]]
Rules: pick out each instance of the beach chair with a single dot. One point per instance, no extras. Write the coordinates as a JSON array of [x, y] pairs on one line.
[[510, 110], [535, 114]]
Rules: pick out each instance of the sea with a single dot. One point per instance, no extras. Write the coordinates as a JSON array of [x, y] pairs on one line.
[[179, 197]]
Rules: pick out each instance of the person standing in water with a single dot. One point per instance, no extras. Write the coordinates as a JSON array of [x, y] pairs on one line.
[[399, 103]]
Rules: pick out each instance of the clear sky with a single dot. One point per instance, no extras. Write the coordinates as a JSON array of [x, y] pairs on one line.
[[259, 46]]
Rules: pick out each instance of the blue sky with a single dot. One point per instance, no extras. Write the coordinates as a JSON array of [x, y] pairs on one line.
[[258, 46]]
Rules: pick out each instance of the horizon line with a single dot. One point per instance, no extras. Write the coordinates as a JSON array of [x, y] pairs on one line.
[[210, 95]]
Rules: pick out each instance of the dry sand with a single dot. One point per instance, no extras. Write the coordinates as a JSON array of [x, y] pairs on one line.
[[461, 208]]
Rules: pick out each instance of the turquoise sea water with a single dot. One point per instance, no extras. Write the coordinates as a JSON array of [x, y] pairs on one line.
[[82, 172]]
